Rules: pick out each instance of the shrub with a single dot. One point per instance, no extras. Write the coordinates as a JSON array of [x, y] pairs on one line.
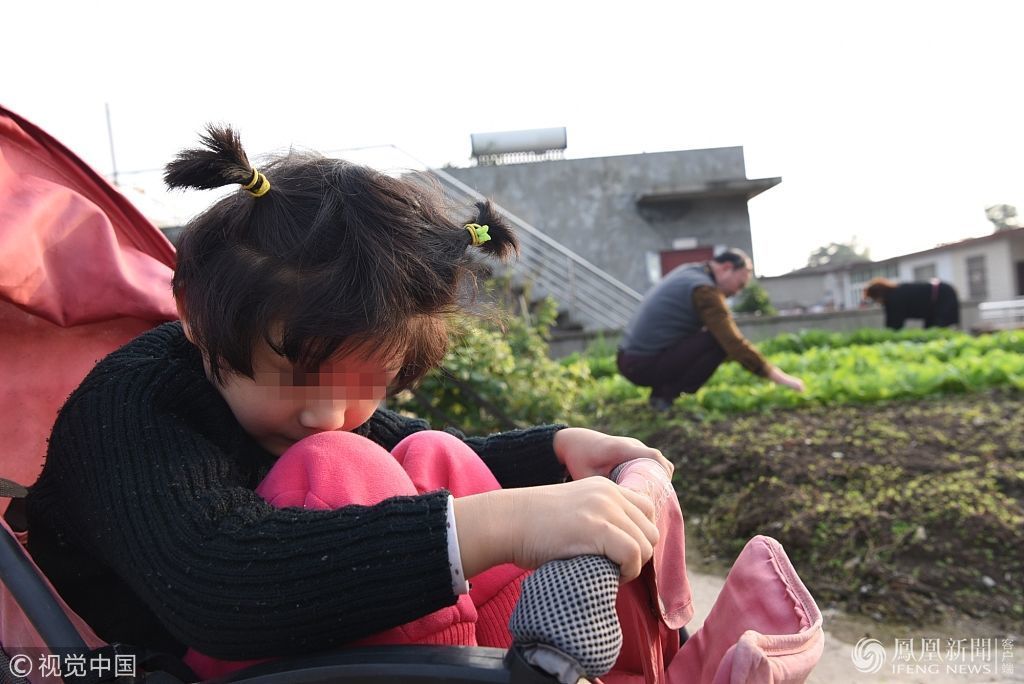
[[498, 375], [754, 299]]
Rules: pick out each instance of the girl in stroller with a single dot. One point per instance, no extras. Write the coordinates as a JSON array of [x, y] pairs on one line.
[[228, 484]]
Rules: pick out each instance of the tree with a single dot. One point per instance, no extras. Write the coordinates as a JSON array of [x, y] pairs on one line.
[[755, 299], [838, 253], [1003, 216]]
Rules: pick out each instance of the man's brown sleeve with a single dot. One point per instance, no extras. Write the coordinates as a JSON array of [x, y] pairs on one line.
[[713, 311]]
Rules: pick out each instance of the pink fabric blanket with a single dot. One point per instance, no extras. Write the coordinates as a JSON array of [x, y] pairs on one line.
[[666, 573], [764, 627]]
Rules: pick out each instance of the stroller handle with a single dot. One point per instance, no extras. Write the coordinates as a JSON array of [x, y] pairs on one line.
[[565, 621]]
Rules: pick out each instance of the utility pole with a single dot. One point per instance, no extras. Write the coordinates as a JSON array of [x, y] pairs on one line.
[[110, 136]]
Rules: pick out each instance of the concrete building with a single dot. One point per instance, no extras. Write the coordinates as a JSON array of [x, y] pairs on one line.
[[988, 268], [815, 289], [596, 233], [635, 216]]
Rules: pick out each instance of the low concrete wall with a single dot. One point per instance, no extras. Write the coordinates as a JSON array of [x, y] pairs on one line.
[[760, 328], [757, 328], [563, 344]]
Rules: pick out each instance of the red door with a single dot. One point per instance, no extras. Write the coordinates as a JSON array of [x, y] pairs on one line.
[[674, 258]]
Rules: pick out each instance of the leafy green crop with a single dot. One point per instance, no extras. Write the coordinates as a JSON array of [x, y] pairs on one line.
[[499, 376], [808, 339], [864, 366]]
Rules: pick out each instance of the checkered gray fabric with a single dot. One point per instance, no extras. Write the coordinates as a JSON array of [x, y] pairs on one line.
[[570, 605]]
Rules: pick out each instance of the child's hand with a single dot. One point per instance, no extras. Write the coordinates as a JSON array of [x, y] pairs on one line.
[[533, 525], [589, 516], [586, 452]]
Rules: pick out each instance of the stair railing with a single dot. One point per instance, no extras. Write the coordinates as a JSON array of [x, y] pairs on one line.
[[589, 295]]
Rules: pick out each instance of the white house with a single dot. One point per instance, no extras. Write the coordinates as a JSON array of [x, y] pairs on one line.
[[988, 268]]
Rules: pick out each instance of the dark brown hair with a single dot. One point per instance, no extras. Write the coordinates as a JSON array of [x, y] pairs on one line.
[[735, 256], [334, 255], [877, 289]]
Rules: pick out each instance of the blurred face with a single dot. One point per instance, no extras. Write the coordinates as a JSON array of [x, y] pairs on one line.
[[282, 404], [732, 279]]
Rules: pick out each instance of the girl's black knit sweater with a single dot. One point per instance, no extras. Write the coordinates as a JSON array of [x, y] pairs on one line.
[[146, 521]]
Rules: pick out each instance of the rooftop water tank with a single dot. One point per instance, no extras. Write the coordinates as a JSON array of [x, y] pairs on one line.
[[536, 140]]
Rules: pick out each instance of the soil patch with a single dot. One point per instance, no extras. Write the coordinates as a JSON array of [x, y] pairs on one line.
[[908, 512]]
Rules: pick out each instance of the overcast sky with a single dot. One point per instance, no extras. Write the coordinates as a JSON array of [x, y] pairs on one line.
[[896, 122]]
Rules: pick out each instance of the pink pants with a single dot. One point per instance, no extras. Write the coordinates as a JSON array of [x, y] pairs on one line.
[[334, 469], [763, 628]]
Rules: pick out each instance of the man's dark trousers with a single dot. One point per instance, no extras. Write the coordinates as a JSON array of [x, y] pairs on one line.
[[683, 367]]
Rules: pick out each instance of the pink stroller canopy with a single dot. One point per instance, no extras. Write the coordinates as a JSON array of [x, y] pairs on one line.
[[81, 273]]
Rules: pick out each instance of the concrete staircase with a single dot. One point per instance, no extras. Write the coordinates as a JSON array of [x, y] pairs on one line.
[[589, 299]]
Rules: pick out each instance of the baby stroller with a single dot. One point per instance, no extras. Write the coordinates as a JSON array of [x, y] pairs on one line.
[[81, 273]]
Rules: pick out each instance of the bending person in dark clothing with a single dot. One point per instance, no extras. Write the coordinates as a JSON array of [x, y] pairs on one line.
[[684, 330], [935, 302]]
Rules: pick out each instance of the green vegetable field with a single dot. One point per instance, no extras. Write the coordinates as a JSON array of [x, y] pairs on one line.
[[861, 367], [895, 482]]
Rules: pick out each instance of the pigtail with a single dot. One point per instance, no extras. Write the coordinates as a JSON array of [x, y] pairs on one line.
[[221, 161], [502, 243]]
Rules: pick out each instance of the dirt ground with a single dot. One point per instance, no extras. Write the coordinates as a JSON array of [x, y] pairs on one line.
[[910, 513]]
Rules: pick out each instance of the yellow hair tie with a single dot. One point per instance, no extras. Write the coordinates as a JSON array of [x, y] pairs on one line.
[[478, 233], [257, 178]]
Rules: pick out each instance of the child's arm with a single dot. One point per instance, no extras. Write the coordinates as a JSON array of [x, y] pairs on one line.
[[533, 525], [518, 458], [588, 452], [135, 492], [532, 456], [529, 525]]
